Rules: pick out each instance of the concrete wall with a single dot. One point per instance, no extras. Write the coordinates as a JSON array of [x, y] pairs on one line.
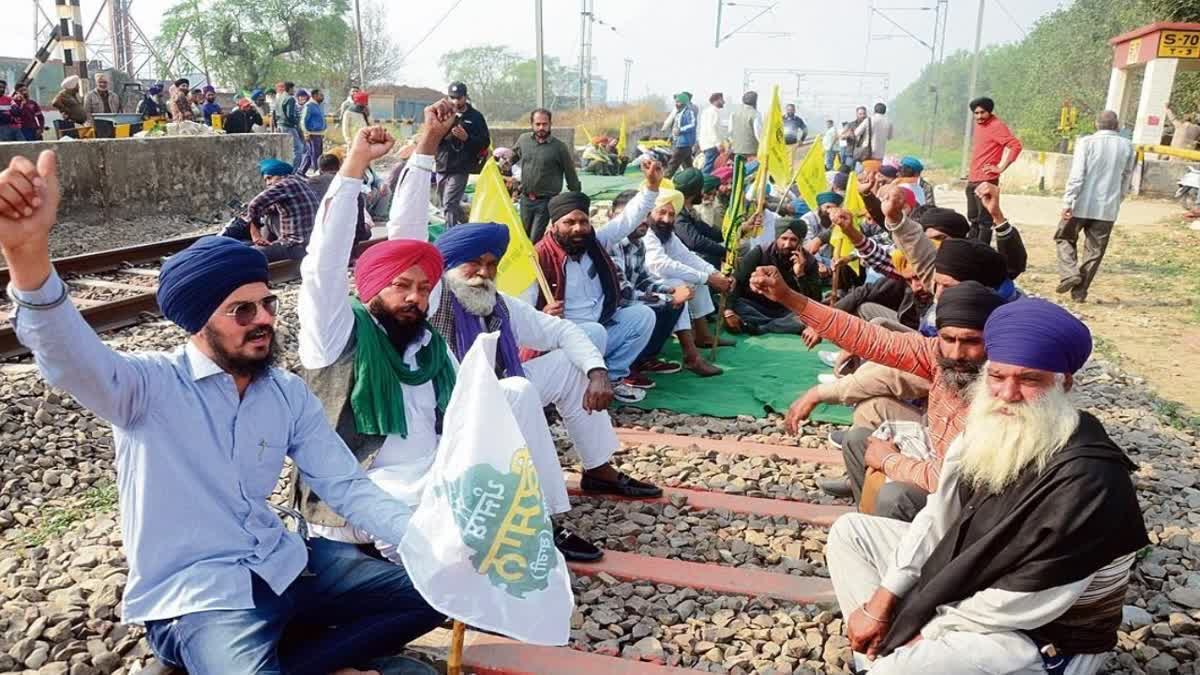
[[183, 175], [1160, 177]]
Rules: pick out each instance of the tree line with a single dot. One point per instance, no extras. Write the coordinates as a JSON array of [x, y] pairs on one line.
[[1065, 56]]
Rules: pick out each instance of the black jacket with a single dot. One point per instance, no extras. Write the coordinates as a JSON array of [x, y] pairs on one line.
[[241, 121], [1010, 245], [701, 238], [889, 292], [455, 156]]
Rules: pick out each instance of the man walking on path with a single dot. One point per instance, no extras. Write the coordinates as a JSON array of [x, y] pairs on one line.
[[460, 154], [1100, 177], [545, 163], [994, 150], [745, 126]]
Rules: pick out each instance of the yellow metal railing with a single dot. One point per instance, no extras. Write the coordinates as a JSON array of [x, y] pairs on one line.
[[1193, 155]]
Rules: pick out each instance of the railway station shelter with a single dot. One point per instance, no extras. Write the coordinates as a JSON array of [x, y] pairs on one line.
[[1151, 55]]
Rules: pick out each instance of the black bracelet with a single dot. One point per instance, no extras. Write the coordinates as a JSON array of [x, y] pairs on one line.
[[34, 306]]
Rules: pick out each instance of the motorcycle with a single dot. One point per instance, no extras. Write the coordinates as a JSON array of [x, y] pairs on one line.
[[1188, 193]]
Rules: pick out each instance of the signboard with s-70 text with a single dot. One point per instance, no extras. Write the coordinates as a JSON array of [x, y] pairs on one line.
[[1179, 44]]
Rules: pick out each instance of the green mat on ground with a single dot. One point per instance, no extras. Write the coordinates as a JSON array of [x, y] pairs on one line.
[[764, 372]]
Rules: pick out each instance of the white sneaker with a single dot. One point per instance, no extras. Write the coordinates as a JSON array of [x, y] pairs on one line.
[[829, 358], [627, 394]]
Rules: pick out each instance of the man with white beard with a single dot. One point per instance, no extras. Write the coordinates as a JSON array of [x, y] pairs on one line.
[[1020, 560]]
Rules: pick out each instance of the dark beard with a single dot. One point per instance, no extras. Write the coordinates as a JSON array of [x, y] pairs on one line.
[[571, 248], [401, 334], [238, 365], [826, 221], [957, 375], [664, 232]]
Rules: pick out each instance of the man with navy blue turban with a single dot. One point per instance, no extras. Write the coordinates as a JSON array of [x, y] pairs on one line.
[[201, 434], [1020, 560], [279, 221]]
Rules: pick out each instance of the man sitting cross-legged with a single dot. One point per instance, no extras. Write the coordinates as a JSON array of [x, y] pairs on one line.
[[584, 283], [1020, 561], [950, 362], [668, 259], [752, 312], [201, 434]]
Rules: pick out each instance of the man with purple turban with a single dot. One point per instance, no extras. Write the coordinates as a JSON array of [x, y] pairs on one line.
[[201, 435], [1020, 560], [398, 283]]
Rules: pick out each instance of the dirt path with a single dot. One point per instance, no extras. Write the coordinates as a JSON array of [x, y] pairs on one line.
[[1144, 305]]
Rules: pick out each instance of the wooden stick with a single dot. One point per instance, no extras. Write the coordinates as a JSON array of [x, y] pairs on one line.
[[760, 187], [454, 658]]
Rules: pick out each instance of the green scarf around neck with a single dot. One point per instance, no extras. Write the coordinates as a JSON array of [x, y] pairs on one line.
[[379, 371]]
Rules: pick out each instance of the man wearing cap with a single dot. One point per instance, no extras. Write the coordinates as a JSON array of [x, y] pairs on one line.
[[461, 153], [683, 134], [69, 105], [243, 118], [1020, 560], [201, 435], [670, 260], [102, 99], [546, 163], [287, 197], [756, 314]]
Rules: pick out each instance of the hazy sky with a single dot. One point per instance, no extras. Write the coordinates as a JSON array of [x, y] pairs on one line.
[[670, 41]]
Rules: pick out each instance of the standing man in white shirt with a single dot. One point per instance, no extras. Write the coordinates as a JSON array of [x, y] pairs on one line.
[[710, 131], [1100, 177], [829, 140]]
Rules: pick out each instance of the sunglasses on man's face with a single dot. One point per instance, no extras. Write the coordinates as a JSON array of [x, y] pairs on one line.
[[245, 312]]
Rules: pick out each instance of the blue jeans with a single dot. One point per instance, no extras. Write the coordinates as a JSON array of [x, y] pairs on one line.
[[622, 339], [710, 158], [351, 609], [297, 145], [313, 147], [666, 315], [829, 155]]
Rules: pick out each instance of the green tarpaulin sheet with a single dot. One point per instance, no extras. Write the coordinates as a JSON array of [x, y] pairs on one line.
[[764, 372]]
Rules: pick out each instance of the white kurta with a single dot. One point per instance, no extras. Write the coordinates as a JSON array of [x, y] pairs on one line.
[[675, 264], [977, 635], [560, 374], [326, 326]]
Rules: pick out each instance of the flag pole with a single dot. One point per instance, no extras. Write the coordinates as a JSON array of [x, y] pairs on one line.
[[760, 187], [454, 658]]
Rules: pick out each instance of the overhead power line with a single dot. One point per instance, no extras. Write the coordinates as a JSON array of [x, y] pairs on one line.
[[431, 30]]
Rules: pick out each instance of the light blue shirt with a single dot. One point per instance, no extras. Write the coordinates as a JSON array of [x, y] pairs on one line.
[[195, 464], [1101, 174]]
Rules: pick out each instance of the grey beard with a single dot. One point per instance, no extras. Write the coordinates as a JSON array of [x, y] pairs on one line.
[[476, 300], [957, 380]]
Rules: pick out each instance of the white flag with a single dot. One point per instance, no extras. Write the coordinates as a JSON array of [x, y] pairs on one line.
[[480, 547]]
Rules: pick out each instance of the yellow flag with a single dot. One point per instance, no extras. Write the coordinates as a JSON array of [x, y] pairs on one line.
[[842, 246], [622, 142], [774, 155], [837, 161], [810, 177], [492, 204], [586, 133]]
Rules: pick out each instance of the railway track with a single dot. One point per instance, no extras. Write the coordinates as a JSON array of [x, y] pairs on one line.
[[116, 288]]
